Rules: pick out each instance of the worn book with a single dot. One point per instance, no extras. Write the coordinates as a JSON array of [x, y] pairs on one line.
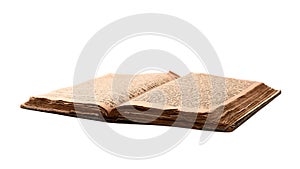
[[196, 100]]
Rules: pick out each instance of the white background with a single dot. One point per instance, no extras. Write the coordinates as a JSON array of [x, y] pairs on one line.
[[40, 43]]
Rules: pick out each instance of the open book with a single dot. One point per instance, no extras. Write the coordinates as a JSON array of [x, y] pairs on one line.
[[198, 101]]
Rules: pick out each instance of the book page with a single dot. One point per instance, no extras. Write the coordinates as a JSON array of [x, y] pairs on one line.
[[196, 93], [107, 91]]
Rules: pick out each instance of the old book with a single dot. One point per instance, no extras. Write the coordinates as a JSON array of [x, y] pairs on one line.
[[198, 101]]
